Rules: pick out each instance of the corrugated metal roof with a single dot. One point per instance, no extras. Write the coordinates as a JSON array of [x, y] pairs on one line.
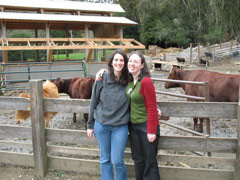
[[63, 5], [66, 18]]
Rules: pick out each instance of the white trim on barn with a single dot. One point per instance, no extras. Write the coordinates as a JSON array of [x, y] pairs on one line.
[[65, 18], [63, 5]]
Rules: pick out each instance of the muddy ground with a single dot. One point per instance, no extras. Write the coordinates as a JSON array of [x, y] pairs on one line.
[[219, 127]]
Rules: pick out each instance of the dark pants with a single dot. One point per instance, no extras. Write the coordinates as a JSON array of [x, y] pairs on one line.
[[144, 153]]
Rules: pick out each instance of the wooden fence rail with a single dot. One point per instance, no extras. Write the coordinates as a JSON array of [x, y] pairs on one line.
[[55, 155]]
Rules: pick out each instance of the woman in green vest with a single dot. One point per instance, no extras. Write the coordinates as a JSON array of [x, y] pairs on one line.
[[144, 125]]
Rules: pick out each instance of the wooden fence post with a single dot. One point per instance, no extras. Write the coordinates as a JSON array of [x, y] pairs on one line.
[[38, 128], [237, 165]]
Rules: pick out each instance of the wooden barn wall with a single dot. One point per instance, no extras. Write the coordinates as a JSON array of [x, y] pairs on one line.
[[107, 31]]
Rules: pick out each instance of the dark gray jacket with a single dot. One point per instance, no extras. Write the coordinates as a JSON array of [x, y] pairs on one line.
[[109, 104]]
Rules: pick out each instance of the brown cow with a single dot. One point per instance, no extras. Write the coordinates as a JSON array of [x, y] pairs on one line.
[[49, 91], [222, 87], [79, 87]]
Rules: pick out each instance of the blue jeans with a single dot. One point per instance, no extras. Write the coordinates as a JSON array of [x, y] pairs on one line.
[[111, 142]]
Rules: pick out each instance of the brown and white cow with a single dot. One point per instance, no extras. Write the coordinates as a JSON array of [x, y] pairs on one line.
[[222, 87], [78, 87], [49, 91]]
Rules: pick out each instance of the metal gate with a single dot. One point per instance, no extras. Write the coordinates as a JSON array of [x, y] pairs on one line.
[[15, 76]]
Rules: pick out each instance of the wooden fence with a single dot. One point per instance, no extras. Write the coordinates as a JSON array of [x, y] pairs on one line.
[[50, 153]]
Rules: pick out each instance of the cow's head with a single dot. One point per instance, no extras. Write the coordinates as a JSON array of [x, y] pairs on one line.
[[174, 75], [60, 84]]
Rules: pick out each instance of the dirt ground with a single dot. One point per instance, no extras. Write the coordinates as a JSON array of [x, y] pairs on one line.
[[219, 127]]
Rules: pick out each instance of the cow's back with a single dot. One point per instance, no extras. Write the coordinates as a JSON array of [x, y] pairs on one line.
[[50, 90], [222, 87], [82, 88]]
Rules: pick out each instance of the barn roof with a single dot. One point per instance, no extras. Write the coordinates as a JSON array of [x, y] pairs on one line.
[[11, 16], [60, 5]]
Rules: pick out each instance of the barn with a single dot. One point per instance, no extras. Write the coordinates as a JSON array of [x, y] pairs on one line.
[[100, 28]]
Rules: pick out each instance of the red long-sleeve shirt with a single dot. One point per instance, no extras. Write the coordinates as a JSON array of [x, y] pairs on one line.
[[149, 96]]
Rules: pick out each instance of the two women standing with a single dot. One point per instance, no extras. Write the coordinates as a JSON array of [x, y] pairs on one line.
[[109, 116]]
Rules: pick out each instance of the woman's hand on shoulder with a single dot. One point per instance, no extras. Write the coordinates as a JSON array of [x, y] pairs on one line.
[[100, 74]]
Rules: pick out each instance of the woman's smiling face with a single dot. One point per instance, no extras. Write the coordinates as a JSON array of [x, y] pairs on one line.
[[118, 63], [134, 64]]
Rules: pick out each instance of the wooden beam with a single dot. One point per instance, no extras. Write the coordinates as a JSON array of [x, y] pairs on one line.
[[49, 55], [89, 55], [86, 36], [67, 43], [4, 42]]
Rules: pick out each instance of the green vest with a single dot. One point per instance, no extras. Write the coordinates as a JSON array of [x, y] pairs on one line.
[[138, 113]]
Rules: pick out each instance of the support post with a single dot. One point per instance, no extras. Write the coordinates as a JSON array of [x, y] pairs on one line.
[[66, 51], [237, 165], [5, 43], [199, 53], [49, 51], [86, 36], [190, 53], [38, 128], [36, 36]]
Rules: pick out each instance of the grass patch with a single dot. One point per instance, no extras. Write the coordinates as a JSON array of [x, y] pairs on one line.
[[81, 55]]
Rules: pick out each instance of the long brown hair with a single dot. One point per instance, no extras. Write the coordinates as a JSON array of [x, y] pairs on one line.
[[124, 76], [144, 71]]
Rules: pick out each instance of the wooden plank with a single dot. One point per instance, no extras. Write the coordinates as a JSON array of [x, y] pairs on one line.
[[14, 158], [16, 145], [166, 173], [90, 41], [180, 95], [166, 142], [67, 105], [76, 165], [49, 55], [15, 132], [70, 136], [197, 160], [186, 143], [203, 144], [44, 47], [66, 150], [174, 109], [89, 55], [93, 167], [14, 103], [182, 128], [199, 109], [179, 81], [174, 173], [38, 128], [193, 160]]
